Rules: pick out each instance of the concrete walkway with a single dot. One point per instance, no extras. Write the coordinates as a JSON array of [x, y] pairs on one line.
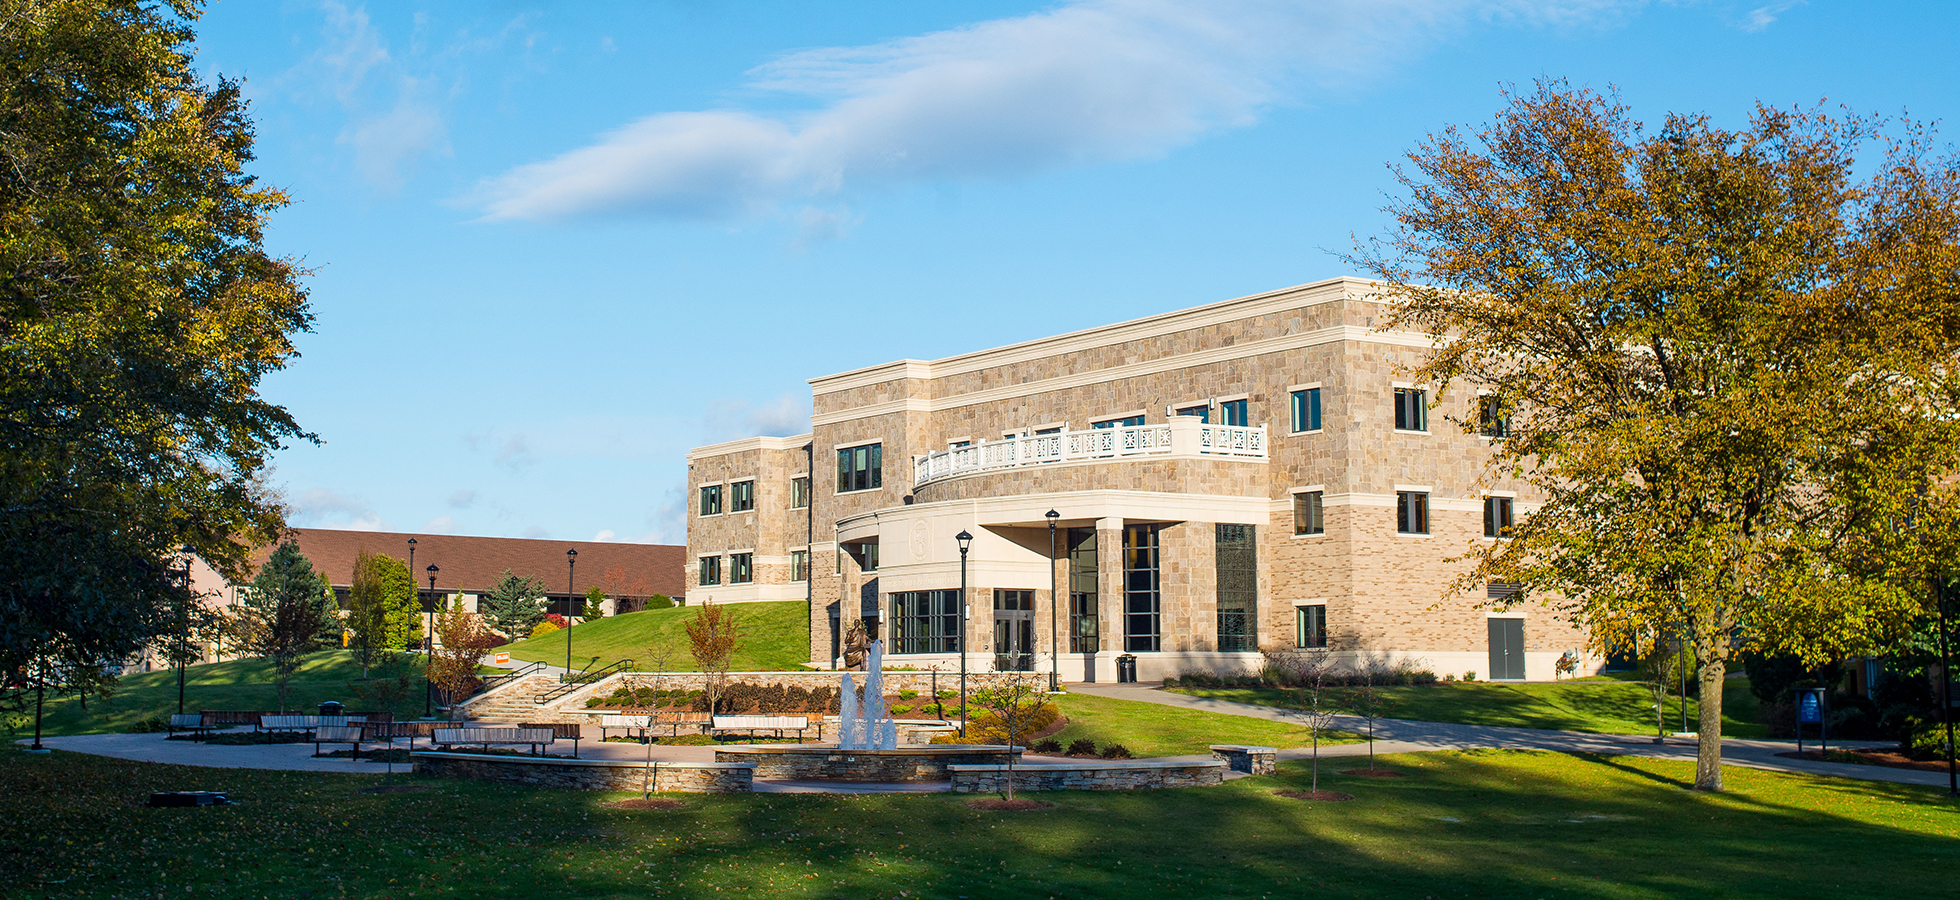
[[1406, 736]]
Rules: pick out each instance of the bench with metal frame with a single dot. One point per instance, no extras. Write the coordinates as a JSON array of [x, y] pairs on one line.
[[564, 731], [339, 734], [195, 723], [537, 738], [753, 724]]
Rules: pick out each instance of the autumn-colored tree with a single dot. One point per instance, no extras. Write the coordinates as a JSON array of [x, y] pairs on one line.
[[461, 639], [1714, 348], [713, 636], [139, 310]]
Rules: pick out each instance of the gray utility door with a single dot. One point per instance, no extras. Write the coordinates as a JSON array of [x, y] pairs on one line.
[[1506, 649]]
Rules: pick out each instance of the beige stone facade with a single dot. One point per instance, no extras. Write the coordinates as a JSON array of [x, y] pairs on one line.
[[1202, 441]]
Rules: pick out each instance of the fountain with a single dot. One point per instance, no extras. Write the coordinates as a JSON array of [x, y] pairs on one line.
[[867, 747], [867, 726]]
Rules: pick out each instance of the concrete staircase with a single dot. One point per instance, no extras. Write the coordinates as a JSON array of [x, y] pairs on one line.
[[514, 702]]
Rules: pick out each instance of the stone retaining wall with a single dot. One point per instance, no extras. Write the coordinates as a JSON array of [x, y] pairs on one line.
[[1087, 776], [1247, 759], [797, 763], [588, 774], [894, 681]]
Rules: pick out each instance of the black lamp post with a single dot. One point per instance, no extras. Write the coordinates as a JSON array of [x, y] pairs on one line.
[[411, 562], [1054, 615], [571, 567], [184, 626], [966, 541], [429, 651]]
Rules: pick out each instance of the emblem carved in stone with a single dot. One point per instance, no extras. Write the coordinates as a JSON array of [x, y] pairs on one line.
[[921, 537]]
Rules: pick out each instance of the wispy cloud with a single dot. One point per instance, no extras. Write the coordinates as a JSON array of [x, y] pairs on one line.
[[323, 508], [462, 499], [1085, 83], [1764, 16], [393, 116], [727, 419]]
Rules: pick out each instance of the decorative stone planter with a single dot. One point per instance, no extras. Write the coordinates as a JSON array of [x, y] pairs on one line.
[[824, 762], [1088, 776], [588, 774]]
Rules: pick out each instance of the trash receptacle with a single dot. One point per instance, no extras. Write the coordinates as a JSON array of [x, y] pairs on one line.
[[331, 708], [1126, 668]]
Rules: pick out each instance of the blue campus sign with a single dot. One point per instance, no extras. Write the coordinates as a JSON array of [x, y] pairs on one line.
[[1810, 707]]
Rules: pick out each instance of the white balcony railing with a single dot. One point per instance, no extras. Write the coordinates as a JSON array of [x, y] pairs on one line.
[[1099, 443]]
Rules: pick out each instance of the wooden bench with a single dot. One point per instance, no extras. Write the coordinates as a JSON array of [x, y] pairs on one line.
[[753, 724], [338, 734], [537, 738], [633, 725], [288, 723], [564, 731], [389, 731], [217, 717], [191, 722]]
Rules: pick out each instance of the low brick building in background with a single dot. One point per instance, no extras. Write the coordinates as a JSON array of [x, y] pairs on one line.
[[1254, 474]]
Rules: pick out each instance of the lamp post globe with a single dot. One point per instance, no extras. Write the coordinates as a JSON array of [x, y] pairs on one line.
[[965, 541], [1054, 612], [429, 647]]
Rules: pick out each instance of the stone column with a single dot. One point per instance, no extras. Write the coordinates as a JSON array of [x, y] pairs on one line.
[[1109, 579]]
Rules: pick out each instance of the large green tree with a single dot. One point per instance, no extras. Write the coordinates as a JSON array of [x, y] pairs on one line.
[[138, 312], [381, 608], [514, 605], [1716, 349], [287, 613]]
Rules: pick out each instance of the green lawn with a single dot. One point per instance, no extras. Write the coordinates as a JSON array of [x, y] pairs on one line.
[[775, 638], [1478, 824], [1598, 705], [1151, 729], [244, 684]]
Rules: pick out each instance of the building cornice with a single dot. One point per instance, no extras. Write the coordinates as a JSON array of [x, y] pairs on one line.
[[793, 442]]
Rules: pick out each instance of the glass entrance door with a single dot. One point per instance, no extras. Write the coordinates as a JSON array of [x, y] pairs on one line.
[[1013, 631]]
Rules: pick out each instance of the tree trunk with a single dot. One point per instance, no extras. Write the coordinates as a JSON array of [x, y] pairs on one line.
[[1708, 755]]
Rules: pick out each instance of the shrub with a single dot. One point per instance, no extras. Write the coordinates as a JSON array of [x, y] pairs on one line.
[[1117, 751], [555, 619], [1450, 678], [1046, 745], [900, 710], [660, 601], [948, 695], [1470, 676], [908, 695], [1082, 747], [542, 629]]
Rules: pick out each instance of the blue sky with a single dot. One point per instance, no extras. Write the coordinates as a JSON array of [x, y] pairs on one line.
[[557, 244]]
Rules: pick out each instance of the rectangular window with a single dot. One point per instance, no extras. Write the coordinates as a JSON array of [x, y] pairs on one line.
[[1412, 512], [710, 570], [1233, 412], [1307, 515], [1202, 412], [1411, 409], [799, 565], [1143, 590], [741, 496], [866, 554], [1084, 591], [860, 468], [1124, 422], [1055, 430], [1492, 421], [741, 568], [926, 621], [1238, 588], [799, 493], [1306, 410], [1310, 626], [711, 500], [1497, 517]]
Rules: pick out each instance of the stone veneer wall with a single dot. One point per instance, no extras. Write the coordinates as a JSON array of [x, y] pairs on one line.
[[1099, 776], [588, 774], [815, 764], [894, 681]]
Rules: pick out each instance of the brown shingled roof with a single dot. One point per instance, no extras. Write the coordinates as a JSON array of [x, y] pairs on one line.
[[472, 564]]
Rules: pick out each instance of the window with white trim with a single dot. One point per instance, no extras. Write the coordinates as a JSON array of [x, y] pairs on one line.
[[1412, 512], [710, 570], [1310, 626], [741, 496], [1411, 409], [860, 468], [1306, 410], [1308, 516], [741, 568], [1124, 422], [1497, 517], [1234, 413], [711, 500], [799, 492], [799, 565]]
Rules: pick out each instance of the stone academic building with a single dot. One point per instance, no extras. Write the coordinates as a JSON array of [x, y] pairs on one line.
[[1253, 474]]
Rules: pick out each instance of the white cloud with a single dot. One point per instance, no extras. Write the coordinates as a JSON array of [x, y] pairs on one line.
[[322, 508], [727, 419], [605, 534], [1764, 16], [1087, 82], [462, 499], [536, 531], [440, 525], [393, 116]]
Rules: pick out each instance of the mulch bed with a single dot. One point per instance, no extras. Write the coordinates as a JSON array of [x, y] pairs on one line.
[[645, 803], [1018, 803], [1887, 758], [1372, 773], [1315, 795]]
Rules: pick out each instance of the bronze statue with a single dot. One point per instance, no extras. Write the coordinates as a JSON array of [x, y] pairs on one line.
[[857, 645]]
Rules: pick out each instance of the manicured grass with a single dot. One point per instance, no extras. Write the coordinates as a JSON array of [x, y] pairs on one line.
[[244, 684], [1151, 729], [1601, 706], [1480, 824], [775, 638]]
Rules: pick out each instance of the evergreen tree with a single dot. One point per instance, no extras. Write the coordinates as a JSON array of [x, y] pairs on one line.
[[514, 605], [382, 613], [287, 613]]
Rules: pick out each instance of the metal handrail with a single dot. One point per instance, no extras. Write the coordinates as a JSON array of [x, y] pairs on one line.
[[492, 682], [572, 681]]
